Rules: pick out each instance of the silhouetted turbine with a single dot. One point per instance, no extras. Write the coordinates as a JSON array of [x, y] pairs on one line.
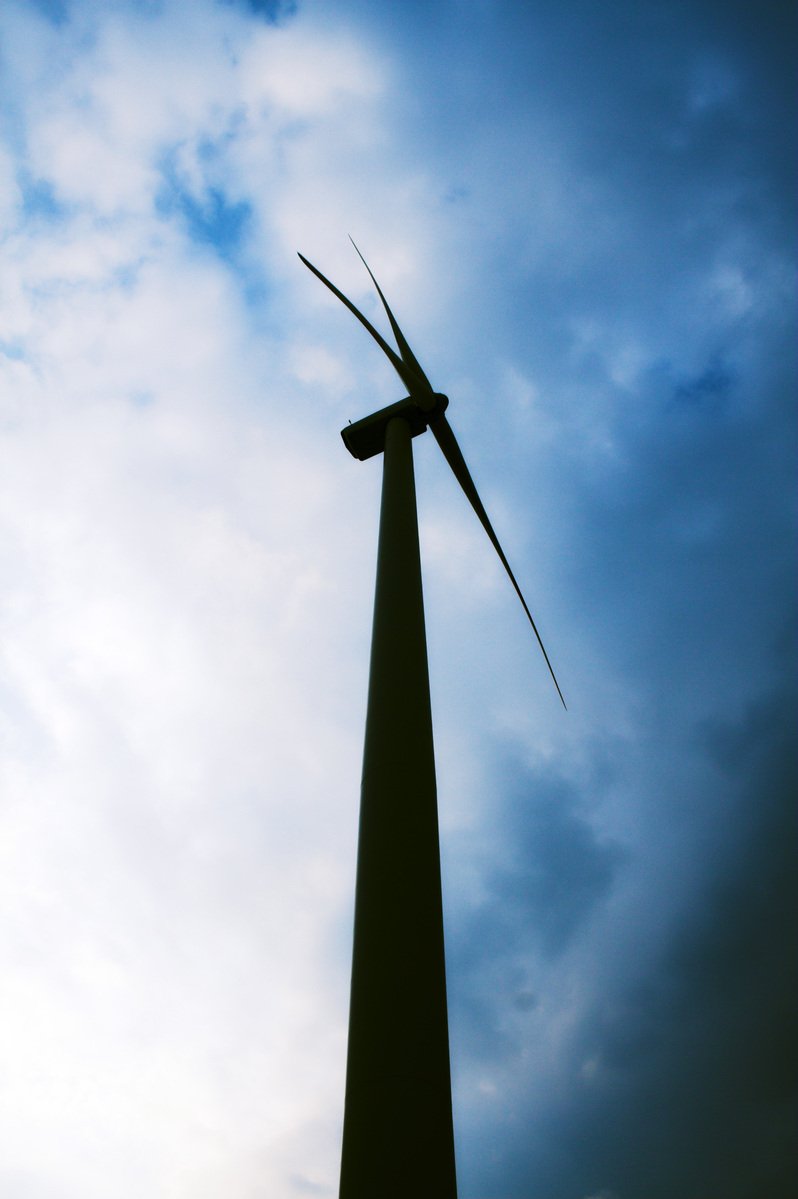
[[420, 389], [398, 1137]]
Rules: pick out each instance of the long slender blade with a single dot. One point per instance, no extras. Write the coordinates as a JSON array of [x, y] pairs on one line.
[[411, 380], [408, 357], [445, 438]]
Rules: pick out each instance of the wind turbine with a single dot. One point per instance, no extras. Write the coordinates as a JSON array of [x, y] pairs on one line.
[[398, 1138]]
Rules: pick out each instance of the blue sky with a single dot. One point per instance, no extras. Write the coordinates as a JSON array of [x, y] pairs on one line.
[[583, 218]]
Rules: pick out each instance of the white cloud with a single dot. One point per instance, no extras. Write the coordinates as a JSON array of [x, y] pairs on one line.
[[167, 833], [305, 73], [178, 751]]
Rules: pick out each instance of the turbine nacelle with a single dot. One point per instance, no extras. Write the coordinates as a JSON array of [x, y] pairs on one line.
[[366, 437]]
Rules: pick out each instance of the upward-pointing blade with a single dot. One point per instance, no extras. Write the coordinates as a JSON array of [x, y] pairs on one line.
[[408, 357], [412, 376], [442, 431]]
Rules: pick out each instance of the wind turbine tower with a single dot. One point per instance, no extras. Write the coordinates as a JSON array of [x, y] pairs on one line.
[[398, 1140]]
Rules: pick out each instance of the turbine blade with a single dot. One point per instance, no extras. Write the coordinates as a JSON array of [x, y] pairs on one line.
[[445, 438], [407, 355], [405, 373]]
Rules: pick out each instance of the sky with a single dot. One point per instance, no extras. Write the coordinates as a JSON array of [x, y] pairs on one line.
[[582, 215]]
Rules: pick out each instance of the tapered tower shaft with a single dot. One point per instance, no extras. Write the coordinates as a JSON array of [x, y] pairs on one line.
[[398, 1139]]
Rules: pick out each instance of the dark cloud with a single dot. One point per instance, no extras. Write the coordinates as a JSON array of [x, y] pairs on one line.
[[700, 1055], [680, 1076], [556, 869], [548, 874]]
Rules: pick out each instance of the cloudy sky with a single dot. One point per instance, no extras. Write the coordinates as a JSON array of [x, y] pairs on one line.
[[582, 216]]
